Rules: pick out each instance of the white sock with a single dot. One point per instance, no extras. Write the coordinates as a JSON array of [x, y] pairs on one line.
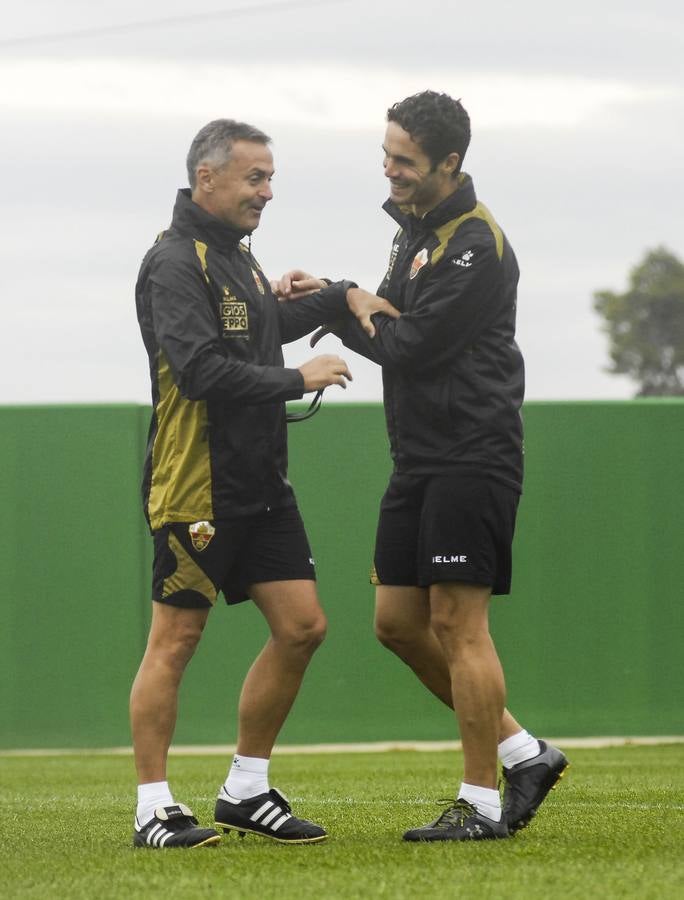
[[485, 800], [150, 796], [247, 777], [518, 748]]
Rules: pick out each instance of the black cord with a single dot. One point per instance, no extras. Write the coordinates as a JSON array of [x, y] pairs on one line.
[[314, 406]]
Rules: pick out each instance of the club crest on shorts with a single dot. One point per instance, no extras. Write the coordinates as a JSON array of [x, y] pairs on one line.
[[201, 534], [419, 260]]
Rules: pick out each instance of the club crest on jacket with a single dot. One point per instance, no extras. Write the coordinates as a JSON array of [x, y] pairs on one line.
[[419, 260]]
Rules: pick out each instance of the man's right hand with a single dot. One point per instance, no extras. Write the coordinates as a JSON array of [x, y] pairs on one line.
[[322, 371], [363, 304]]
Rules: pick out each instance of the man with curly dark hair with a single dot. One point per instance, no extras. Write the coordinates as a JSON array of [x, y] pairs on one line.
[[437, 122], [453, 383]]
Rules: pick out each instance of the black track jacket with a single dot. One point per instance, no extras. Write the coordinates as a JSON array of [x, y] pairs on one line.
[[213, 331], [452, 373]]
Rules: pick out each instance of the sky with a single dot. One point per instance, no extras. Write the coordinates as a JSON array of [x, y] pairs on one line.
[[577, 114]]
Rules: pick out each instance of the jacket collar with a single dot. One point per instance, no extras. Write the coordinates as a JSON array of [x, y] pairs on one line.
[[462, 200], [191, 219]]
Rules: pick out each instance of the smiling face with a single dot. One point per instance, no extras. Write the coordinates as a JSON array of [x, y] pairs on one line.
[[414, 181], [237, 192]]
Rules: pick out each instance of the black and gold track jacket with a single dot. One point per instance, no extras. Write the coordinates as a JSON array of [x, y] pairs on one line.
[[453, 375], [213, 331]]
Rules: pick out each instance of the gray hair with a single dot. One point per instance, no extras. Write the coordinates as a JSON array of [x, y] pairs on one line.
[[214, 142]]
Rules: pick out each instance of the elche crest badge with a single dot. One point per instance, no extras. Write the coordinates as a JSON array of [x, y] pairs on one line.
[[258, 281], [201, 534], [419, 260]]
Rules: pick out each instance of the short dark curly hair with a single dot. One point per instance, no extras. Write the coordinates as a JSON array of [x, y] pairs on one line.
[[436, 121]]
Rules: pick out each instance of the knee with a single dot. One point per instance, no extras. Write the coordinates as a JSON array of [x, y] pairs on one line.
[[393, 634], [443, 627], [175, 647], [305, 635], [458, 635], [315, 631], [459, 614]]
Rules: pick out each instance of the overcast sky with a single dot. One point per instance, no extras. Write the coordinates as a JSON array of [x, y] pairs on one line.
[[577, 113]]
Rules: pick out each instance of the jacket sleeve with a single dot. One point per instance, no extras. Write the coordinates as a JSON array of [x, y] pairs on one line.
[[299, 317], [185, 330], [456, 302]]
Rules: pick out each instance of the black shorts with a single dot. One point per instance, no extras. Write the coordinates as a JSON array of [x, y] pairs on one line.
[[436, 528], [194, 561]]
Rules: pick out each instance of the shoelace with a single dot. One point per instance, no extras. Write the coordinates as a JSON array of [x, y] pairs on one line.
[[456, 814]]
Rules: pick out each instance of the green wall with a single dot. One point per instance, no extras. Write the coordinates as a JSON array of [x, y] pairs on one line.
[[72, 564], [590, 637]]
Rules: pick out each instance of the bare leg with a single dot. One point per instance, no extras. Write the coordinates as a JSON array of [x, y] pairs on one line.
[[174, 635], [402, 624], [297, 625], [459, 616], [509, 726]]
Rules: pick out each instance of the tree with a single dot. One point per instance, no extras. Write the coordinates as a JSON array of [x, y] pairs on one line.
[[646, 325]]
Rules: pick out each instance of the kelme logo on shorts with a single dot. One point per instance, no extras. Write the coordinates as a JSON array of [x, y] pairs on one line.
[[201, 534]]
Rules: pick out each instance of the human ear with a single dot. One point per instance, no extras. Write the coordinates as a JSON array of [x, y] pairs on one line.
[[451, 164], [205, 178]]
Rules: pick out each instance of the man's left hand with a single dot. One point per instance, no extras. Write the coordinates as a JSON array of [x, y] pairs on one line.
[[295, 284]]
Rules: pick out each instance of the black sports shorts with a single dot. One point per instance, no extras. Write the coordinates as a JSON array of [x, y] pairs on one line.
[[436, 528], [193, 561]]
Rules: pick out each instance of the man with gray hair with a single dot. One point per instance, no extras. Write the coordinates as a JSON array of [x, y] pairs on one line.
[[222, 513]]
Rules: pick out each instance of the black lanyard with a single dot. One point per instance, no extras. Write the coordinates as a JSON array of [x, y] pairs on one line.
[[314, 406]]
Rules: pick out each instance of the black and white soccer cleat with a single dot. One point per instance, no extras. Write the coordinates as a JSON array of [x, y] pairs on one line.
[[173, 826], [268, 815]]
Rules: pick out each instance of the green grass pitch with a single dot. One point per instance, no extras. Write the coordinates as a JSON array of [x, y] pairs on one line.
[[614, 828]]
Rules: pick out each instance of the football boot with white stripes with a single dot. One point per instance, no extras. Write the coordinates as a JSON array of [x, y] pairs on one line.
[[173, 826], [268, 815]]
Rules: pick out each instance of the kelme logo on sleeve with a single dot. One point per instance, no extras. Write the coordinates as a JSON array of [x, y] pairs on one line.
[[233, 315], [465, 259], [201, 534]]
